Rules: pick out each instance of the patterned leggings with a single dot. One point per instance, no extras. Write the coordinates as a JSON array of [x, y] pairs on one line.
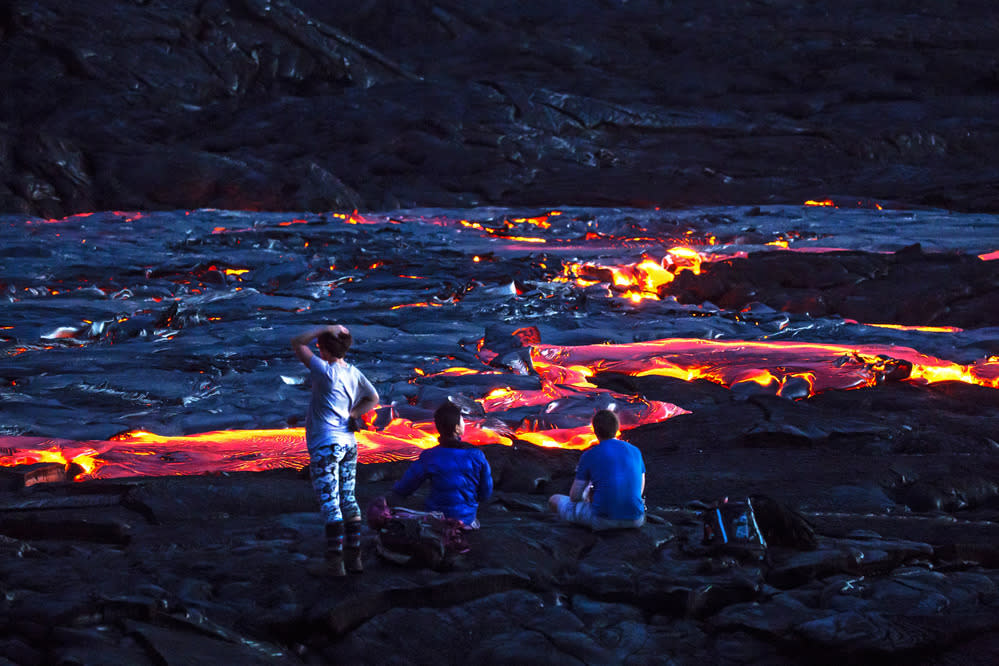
[[333, 468]]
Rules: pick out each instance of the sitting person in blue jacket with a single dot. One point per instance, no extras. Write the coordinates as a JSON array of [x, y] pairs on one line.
[[459, 474]]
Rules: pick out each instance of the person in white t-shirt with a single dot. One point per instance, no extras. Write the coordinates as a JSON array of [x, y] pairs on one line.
[[341, 395]]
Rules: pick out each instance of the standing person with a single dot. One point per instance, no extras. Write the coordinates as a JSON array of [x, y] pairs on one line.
[[459, 473], [610, 481], [340, 395]]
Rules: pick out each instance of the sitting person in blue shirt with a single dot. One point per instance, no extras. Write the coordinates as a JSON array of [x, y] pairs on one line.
[[459, 474], [610, 481]]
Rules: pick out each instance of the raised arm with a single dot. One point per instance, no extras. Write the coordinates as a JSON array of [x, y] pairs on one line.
[[300, 343]]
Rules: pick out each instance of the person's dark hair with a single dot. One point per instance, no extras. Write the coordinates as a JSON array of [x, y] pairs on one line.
[[446, 418], [335, 345], [605, 424]]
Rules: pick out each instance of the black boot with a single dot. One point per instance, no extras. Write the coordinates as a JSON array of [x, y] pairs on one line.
[[333, 566], [352, 546]]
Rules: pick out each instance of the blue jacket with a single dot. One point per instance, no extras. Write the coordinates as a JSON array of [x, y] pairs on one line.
[[459, 476]]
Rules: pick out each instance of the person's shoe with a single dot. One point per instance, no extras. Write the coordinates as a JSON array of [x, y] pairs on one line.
[[352, 547], [352, 560], [330, 567]]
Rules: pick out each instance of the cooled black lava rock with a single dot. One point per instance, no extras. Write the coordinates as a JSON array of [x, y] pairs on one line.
[[319, 105]]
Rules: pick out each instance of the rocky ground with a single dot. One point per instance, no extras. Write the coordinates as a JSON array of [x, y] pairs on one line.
[[214, 568], [319, 105]]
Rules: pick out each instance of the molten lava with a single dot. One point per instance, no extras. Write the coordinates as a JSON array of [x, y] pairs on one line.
[[823, 367], [555, 414], [791, 369], [638, 281]]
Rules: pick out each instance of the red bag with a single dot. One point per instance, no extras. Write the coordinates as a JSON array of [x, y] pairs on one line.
[[416, 538]]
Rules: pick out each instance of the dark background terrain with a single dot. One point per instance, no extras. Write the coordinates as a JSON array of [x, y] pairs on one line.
[[318, 105], [324, 105]]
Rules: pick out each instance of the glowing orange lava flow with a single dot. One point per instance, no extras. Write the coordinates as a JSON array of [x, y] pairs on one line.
[[821, 367], [146, 454], [637, 281], [792, 369], [925, 329]]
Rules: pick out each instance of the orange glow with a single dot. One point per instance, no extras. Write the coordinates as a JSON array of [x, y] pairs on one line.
[[416, 305], [827, 366], [795, 369], [541, 221], [352, 218], [21, 350], [566, 438], [236, 271], [761, 377], [637, 281], [465, 371], [824, 202], [526, 239], [291, 222], [41, 450], [57, 220], [928, 329], [951, 373], [989, 256]]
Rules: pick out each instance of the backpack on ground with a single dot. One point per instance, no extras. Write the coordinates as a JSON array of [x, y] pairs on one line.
[[416, 538], [730, 527]]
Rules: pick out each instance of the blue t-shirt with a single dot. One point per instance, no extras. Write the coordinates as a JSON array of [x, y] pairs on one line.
[[615, 469]]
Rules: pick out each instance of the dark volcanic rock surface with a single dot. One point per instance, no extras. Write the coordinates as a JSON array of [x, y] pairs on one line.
[[317, 105], [908, 287], [174, 570]]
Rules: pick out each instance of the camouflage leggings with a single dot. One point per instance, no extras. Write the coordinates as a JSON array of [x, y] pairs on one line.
[[333, 468]]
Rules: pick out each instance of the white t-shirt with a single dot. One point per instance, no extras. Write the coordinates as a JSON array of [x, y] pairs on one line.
[[336, 387]]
